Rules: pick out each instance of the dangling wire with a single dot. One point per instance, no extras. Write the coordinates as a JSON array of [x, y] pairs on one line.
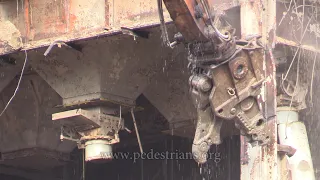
[[163, 26], [19, 82]]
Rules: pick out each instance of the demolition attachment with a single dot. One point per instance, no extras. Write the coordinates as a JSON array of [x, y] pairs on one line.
[[227, 75]]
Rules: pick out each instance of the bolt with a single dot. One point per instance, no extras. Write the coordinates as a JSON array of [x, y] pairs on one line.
[[206, 86], [178, 37], [247, 104], [233, 111], [204, 147]]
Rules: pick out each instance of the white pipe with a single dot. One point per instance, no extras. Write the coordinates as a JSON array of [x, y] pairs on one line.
[[292, 132]]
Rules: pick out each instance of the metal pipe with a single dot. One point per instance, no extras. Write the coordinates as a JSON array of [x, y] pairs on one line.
[[98, 150], [137, 132], [163, 26], [292, 132]]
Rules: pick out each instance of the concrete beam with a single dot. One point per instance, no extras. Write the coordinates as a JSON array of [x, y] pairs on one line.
[[34, 175], [41, 22]]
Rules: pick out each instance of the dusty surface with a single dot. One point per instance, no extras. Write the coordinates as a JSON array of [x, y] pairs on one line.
[[10, 37]]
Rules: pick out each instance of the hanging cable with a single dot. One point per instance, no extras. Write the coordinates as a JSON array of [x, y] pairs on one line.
[[163, 26], [17, 88]]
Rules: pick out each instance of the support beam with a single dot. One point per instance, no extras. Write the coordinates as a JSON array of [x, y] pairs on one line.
[[34, 175], [258, 17], [36, 25]]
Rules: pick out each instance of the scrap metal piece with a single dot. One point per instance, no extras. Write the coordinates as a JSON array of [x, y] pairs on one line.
[[135, 33], [292, 94], [288, 150], [60, 43], [69, 134]]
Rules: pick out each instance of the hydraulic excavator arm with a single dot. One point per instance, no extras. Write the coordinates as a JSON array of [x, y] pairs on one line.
[[227, 75]]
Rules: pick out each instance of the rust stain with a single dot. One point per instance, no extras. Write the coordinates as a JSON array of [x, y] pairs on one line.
[[27, 18], [48, 18], [252, 170], [72, 17], [72, 22], [59, 20], [107, 9], [262, 154]]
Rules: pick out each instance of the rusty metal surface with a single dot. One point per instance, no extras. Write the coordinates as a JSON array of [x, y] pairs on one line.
[[37, 23], [237, 86], [222, 99], [191, 19], [235, 75], [262, 161]]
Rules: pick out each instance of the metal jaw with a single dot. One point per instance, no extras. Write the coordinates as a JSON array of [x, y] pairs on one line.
[[208, 127], [230, 91], [207, 133], [228, 75]]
